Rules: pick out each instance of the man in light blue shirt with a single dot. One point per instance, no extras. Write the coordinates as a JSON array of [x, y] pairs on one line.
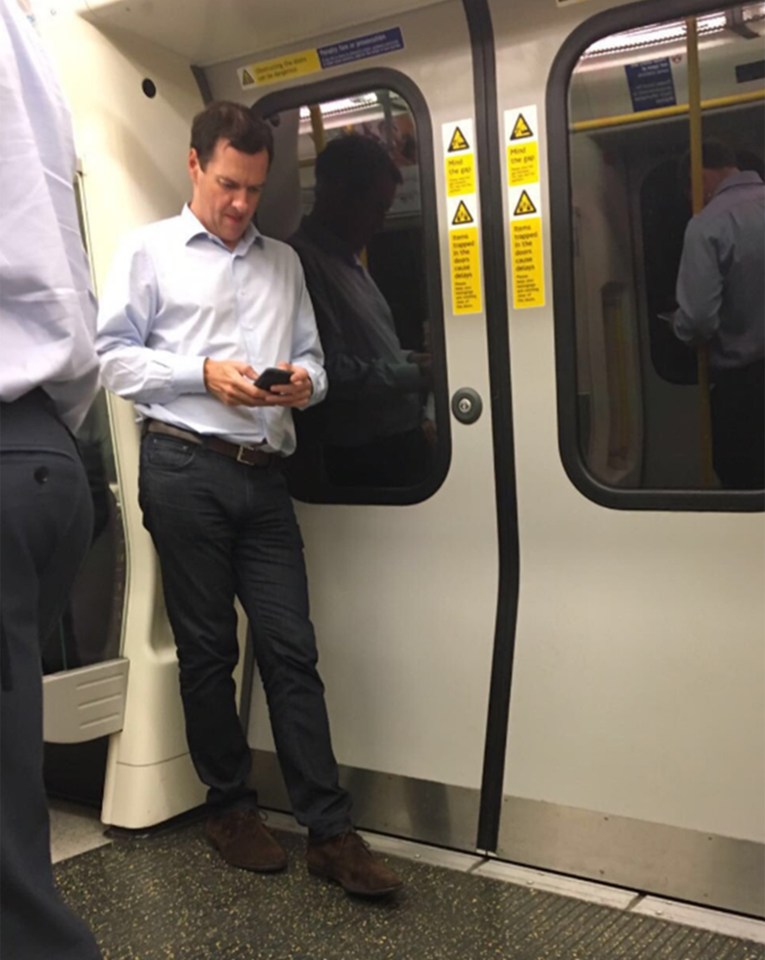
[[721, 301], [196, 308], [48, 377]]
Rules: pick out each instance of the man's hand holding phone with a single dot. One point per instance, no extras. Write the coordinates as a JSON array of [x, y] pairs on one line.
[[235, 384], [286, 385]]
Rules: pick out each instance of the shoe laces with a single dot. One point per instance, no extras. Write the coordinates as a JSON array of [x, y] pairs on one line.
[[356, 840], [232, 821]]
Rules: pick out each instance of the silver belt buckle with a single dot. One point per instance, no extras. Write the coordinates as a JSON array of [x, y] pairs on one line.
[[242, 455]]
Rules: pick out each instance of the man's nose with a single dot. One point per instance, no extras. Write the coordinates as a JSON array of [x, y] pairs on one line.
[[240, 201]]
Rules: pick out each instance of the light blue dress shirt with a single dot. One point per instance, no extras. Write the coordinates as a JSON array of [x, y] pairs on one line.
[[721, 280], [176, 295], [47, 310]]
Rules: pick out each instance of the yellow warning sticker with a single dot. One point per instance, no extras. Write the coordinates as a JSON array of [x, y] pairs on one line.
[[462, 215], [460, 174], [521, 129], [464, 253], [463, 211], [458, 137], [528, 271], [524, 202], [458, 141], [524, 206], [522, 163], [280, 68]]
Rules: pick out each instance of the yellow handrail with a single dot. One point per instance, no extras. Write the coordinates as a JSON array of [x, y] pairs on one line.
[[661, 113]]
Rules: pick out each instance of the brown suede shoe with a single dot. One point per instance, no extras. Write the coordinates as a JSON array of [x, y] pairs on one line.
[[347, 860], [243, 841]]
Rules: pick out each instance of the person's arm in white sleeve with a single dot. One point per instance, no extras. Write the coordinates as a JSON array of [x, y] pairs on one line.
[[129, 303], [46, 306], [307, 351]]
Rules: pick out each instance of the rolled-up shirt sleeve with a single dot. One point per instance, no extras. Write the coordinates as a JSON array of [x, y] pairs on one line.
[[130, 366], [306, 345]]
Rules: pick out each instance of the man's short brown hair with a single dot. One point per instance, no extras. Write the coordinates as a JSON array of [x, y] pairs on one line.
[[225, 120]]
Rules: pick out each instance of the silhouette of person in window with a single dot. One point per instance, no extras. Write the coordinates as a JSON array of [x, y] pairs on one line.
[[372, 426]]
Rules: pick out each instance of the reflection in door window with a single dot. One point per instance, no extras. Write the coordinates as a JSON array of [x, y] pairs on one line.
[[669, 309], [353, 213]]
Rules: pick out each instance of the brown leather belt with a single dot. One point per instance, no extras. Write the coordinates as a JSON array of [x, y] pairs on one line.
[[239, 452]]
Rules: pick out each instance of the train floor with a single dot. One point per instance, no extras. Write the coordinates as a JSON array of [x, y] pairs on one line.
[[168, 896]]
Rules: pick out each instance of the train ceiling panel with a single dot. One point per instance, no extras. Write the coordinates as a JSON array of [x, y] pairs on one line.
[[211, 31]]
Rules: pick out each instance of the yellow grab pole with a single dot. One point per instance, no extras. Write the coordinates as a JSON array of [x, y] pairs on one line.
[[694, 114], [317, 127], [697, 202]]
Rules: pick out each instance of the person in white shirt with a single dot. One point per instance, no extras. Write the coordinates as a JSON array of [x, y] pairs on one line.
[[48, 378], [195, 309]]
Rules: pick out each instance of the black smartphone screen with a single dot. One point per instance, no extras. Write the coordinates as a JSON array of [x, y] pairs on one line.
[[271, 376]]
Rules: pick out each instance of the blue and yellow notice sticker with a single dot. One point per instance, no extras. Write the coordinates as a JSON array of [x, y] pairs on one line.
[[320, 58]]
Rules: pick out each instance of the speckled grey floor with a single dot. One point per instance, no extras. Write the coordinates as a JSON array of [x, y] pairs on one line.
[[170, 897]]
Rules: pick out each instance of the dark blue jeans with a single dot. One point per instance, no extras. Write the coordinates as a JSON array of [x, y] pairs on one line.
[[222, 530]]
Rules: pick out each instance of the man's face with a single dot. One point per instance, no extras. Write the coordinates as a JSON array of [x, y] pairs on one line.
[[226, 193]]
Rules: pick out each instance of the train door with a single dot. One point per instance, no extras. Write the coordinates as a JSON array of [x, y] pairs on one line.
[[401, 547], [635, 738]]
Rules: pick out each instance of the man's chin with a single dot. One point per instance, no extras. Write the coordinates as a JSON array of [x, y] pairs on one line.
[[232, 236]]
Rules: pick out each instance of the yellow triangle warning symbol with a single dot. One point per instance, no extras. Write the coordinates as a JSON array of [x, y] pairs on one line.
[[247, 80], [521, 130], [462, 214], [524, 205], [458, 141]]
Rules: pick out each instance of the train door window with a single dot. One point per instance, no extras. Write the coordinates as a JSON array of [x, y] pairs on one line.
[[352, 191], [666, 330]]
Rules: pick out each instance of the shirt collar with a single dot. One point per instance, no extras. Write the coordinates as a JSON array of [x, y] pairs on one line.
[[740, 179], [191, 227]]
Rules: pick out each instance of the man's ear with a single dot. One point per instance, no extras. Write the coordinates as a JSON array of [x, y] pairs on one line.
[[194, 166]]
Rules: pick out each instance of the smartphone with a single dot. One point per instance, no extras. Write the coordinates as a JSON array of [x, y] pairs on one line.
[[271, 376]]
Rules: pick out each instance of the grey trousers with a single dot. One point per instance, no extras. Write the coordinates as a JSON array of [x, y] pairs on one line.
[[45, 522]]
